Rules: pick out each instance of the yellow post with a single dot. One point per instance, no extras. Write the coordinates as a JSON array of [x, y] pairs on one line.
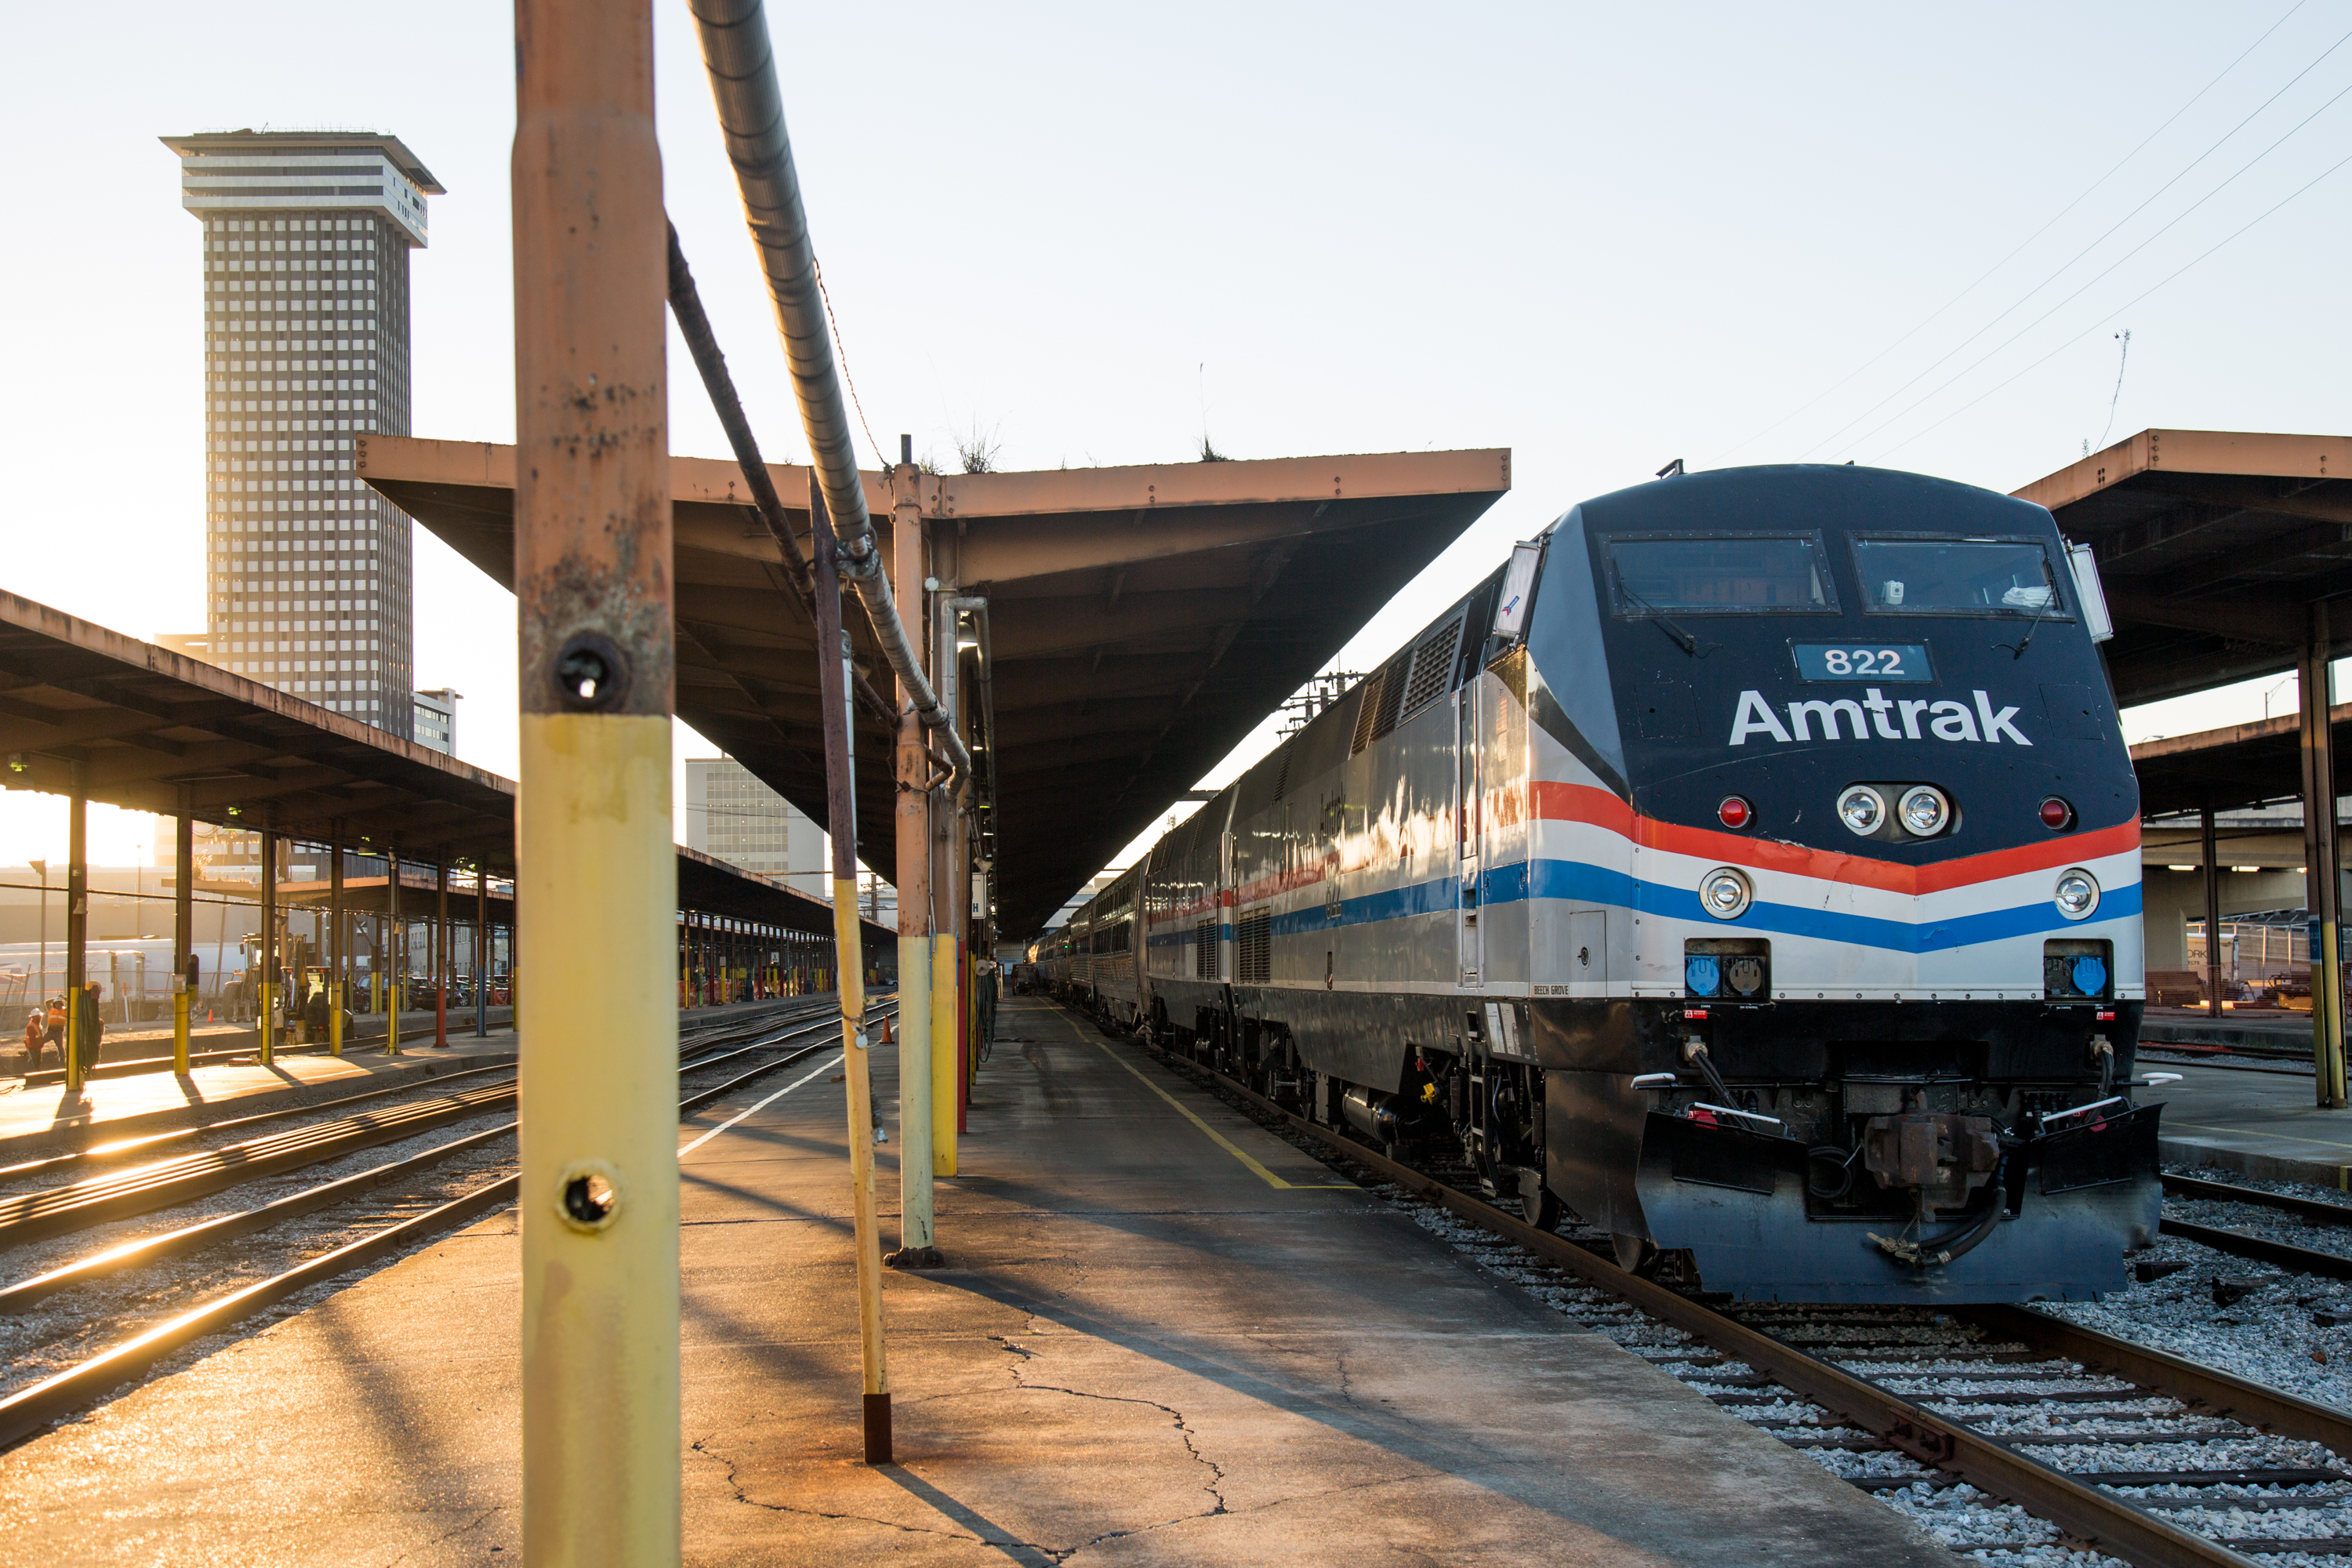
[[338, 944], [393, 959], [946, 1076], [184, 930], [266, 962], [834, 673], [596, 665]]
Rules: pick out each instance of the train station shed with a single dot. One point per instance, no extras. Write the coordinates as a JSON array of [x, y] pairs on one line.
[[1141, 620], [94, 715], [2223, 554]]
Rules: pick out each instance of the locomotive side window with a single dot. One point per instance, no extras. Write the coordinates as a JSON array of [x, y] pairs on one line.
[[1720, 574], [1957, 577]]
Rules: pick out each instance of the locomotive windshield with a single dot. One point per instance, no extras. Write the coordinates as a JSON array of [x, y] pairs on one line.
[[1955, 576], [1728, 574]]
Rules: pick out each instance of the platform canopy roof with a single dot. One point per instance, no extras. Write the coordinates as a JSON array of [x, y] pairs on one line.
[[155, 730], [2230, 768], [1143, 620], [2212, 544]]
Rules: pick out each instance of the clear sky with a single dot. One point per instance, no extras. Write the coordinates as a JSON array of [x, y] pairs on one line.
[[1603, 237]]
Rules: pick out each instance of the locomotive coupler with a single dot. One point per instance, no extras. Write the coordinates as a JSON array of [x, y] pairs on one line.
[[1940, 1157]]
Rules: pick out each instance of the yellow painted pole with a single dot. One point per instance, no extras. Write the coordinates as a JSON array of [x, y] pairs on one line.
[[184, 930], [841, 822], [76, 927], [266, 963], [338, 944], [597, 875], [917, 1152], [945, 1070]]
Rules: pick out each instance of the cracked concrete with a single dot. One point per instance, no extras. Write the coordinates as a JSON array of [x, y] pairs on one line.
[[1140, 1354]]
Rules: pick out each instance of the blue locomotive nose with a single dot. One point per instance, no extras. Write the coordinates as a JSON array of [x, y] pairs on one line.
[[2090, 976]]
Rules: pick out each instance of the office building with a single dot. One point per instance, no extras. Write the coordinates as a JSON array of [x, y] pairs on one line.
[[306, 250], [434, 720], [732, 816]]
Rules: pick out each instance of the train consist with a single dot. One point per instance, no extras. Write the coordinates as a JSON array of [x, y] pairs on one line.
[[1749, 865]]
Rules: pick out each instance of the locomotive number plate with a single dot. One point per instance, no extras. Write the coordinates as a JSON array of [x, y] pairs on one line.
[[1901, 661]]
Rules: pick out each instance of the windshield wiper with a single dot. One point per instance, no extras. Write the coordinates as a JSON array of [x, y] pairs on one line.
[[2049, 599], [1665, 622]]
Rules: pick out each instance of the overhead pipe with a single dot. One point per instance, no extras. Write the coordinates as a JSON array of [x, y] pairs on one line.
[[694, 325], [741, 65]]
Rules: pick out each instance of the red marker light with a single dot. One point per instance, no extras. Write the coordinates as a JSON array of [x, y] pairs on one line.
[[1735, 812], [2056, 815]]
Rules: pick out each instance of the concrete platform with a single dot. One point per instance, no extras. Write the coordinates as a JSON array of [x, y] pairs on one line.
[[42, 1118], [1166, 1337], [2262, 1123]]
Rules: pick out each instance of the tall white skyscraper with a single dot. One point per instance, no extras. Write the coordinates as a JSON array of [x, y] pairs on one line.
[[306, 244]]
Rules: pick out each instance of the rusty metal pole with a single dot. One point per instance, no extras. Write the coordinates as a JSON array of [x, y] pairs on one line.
[[2321, 889], [596, 674], [917, 1229], [442, 955], [2212, 915], [184, 930], [834, 682], [339, 940], [77, 927]]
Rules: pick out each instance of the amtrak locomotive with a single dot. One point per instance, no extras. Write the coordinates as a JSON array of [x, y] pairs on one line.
[[1749, 867]]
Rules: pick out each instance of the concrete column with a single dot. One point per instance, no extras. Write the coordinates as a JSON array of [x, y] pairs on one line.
[[2321, 889]]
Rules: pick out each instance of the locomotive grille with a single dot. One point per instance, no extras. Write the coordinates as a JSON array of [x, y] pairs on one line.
[[1204, 951], [1367, 710], [1254, 949], [1433, 667]]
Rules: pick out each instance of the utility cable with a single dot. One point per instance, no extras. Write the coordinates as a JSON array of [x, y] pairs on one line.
[[1930, 369], [2111, 315], [1934, 315]]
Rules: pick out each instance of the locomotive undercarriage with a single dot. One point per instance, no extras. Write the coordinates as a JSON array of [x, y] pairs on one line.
[[1804, 1152]]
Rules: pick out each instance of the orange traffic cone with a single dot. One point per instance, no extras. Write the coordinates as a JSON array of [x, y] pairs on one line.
[[887, 1038]]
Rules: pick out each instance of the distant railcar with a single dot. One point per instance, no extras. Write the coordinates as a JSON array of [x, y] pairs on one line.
[[1751, 866]]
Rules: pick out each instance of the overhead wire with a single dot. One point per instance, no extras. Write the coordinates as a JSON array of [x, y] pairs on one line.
[[1930, 319], [2061, 271], [2119, 309], [1958, 376]]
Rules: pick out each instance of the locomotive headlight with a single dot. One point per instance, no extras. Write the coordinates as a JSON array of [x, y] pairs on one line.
[[1924, 811], [1862, 809], [2077, 894], [1725, 893]]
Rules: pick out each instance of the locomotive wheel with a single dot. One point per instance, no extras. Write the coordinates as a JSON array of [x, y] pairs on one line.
[[1537, 1203], [1636, 1254]]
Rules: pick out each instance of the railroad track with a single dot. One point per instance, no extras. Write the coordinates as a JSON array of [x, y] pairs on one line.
[[425, 1203], [2148, 1458]]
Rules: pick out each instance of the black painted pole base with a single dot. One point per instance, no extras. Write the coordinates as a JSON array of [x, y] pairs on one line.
[[916, 1257], [878, 1428]]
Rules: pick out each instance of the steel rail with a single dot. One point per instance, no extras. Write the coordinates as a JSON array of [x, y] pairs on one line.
[[22, 1295], [2314, 1209], [742, 66], [2110, 1523], [53, 1211], [146, 1143], [32, 1411], [2261, 1249]]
